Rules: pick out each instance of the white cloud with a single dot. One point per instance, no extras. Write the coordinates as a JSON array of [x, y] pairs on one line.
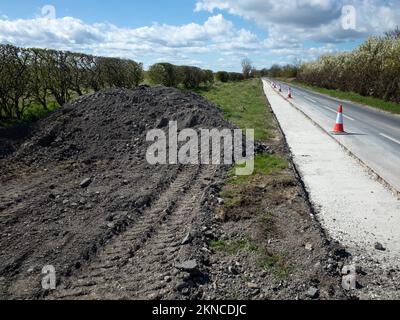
[[264, 12], [151, 43], [290, 23]]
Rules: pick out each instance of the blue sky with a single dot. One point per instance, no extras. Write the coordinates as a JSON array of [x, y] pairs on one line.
[[213, 34]]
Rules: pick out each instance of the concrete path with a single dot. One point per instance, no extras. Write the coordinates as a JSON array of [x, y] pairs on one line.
[[375, 135], [354, 208]]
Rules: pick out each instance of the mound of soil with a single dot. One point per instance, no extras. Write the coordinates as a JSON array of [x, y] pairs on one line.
[[82, 179], [100, 126]]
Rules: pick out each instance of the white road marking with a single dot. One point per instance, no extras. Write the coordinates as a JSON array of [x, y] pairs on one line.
[[390, 138], [347, 117], [329, 109], [309, 99]]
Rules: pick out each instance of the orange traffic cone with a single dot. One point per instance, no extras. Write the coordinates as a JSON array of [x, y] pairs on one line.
[[290, 96], [339, 126]]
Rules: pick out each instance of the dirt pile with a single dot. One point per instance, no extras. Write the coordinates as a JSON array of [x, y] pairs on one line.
[[70, 191], [101, 125]]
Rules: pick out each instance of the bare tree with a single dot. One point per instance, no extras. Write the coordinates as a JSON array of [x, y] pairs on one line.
[[37, 76], [393, 34], [247, 66], [14, 81]]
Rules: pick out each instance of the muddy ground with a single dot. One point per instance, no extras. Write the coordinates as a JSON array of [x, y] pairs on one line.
[[77, 193]]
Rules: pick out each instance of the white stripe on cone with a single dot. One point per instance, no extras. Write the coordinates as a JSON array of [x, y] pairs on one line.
[[339, 119]]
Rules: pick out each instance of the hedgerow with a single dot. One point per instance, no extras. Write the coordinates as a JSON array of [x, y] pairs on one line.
[[373, 69], [38, 76]]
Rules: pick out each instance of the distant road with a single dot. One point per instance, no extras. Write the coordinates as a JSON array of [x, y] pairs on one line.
[[375, 135]]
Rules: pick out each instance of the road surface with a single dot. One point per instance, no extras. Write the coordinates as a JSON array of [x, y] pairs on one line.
[[374, 135]]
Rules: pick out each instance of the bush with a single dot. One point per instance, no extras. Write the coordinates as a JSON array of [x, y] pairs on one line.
[[222, 76], [192, 77], [165, 74], [277, 71], [235, 76], [172, 76], [208, 77]]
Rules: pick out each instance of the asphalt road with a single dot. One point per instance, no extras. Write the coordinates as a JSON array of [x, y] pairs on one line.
[[374, 135]]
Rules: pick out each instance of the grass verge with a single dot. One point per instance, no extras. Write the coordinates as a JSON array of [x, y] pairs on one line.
[[244, 104], [233, 191], [354, 97]]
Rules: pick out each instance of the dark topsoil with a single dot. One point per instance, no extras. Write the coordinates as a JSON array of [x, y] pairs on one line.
[[120, 235]]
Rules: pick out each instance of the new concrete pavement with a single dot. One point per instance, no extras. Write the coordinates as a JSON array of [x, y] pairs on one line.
[[374, 135]]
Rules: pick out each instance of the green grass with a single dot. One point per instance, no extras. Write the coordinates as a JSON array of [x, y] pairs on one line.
[[277, 263], [32, 113], [354, 97], [244, 104], [264, 165], [234, 247], [266, 222]]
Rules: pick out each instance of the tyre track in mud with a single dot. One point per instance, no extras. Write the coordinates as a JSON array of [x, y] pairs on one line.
[[140, 263], [14, 274]]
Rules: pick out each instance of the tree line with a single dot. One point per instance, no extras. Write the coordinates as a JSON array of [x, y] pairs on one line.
[[171, 75], [372, 69], [43, 76], [287, 71], [189, 77]]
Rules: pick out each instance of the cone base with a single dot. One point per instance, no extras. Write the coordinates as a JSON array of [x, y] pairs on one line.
[[340, 133]]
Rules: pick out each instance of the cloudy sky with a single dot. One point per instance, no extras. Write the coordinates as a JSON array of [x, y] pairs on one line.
[[213, 34]]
